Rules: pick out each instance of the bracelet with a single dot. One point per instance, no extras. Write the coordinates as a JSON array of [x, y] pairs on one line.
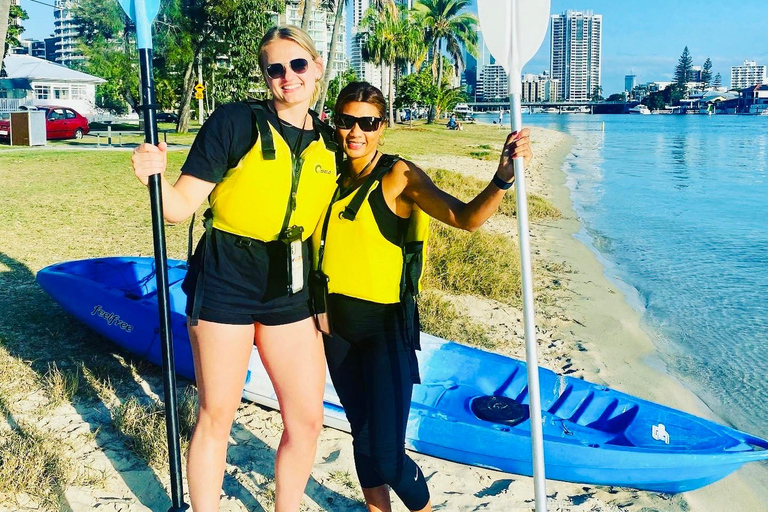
[[503, 185]]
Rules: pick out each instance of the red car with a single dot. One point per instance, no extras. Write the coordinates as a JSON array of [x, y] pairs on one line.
[[61, 123]]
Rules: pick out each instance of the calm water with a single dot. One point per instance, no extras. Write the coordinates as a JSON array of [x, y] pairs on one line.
[[678, 208]]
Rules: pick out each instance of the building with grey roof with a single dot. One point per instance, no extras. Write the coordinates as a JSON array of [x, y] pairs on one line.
[[33, 81]]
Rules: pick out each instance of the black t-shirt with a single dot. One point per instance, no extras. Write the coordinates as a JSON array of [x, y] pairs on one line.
[[228, 134]]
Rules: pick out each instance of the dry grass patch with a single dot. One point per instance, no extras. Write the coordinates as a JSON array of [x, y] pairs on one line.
[[343, 478], [467, 187], [143, 425], [31, 463], [477, 263], [440, 318], [61, 385]]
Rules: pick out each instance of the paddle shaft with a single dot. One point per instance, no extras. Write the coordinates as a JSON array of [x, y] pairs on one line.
[[161, 275], [534, 395]]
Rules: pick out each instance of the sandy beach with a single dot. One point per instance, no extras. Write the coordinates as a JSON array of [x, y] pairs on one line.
[[586, 328]]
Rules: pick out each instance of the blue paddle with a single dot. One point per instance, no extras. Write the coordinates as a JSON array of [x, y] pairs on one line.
[[513, 30], [143, 13]]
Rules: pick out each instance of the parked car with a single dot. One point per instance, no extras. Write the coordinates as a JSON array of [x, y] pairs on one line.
[[61, 123], [167, 117]]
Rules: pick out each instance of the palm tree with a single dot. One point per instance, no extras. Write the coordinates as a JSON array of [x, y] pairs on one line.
[[306, 14], [381, 42], [338, 7], [447, 24]]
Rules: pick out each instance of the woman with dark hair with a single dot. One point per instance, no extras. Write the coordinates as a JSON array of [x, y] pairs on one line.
[[368, 255], [268, 169]]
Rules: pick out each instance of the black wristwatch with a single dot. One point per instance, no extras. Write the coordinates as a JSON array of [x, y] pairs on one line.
[[503, 185]]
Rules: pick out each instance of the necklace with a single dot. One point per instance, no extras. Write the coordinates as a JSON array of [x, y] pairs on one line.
[[299, 140]]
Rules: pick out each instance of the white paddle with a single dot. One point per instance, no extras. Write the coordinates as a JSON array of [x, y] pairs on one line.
[[513, 30]]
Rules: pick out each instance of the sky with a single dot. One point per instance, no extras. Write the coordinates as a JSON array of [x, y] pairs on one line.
[[645, 37]]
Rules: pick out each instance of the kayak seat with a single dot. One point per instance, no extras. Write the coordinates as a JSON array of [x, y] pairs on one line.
[[499, 409]]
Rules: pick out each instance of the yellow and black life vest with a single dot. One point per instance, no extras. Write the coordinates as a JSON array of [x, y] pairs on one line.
[[270, 190], [358, 259]]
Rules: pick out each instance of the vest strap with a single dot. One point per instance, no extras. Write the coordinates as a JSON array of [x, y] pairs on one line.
[[267, 142], [383, 166]]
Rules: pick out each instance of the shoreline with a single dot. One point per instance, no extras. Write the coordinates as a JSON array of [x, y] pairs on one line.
[[620, 352]]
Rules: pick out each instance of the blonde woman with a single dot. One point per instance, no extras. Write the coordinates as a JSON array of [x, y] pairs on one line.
[[269, 168]]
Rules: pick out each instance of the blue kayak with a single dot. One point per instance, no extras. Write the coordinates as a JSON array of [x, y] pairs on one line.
[[472, 405]]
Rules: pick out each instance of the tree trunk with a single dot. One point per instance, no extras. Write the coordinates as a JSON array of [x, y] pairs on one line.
[[5, 9], [329, 65], [438, 55], [186, 97], [391, 120], [306, 15]]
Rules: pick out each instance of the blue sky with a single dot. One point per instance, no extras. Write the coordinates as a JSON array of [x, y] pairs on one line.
[[646, 37]]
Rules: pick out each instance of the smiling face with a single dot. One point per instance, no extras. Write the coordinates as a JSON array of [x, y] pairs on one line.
[[294, 87], [356, 142]]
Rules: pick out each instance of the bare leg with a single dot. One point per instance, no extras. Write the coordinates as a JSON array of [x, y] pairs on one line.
[[295, 361], [377, 499], [221, 353]]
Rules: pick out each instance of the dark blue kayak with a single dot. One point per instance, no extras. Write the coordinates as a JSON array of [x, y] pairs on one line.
[[472, 406]]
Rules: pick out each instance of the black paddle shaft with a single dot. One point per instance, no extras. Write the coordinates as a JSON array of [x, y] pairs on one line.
[[161, 274]]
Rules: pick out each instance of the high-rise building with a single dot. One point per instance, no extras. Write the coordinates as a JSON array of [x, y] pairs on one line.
[[366, 71], [630, 82], [576, 53], [65, 31], [748, 74], [469, 75], [321, 31]]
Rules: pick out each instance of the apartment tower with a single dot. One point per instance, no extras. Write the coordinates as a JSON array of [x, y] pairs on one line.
[[576, 53]]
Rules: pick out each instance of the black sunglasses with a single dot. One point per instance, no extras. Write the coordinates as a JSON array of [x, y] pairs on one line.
[[367, 124], [277, 70]]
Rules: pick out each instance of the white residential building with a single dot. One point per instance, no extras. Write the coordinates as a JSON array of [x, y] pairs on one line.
[[539, 88], [65, 31], [34, 81], [748, 74], [576, 53], [321, 31], [493, 83]]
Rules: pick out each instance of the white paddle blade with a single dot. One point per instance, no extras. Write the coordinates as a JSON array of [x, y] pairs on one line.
[[513, 30]]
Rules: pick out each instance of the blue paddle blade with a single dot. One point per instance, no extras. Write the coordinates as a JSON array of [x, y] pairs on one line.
[[143, 13]]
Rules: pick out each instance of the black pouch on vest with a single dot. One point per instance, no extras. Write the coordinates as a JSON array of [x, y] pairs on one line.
[[318, 295]]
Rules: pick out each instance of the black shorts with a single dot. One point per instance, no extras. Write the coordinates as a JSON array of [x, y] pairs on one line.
[[244, 281]]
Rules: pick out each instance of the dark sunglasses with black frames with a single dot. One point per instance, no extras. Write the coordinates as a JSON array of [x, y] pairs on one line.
[[277, 70], [367, 124]]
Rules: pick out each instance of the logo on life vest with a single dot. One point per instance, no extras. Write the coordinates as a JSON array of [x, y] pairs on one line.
[[320, 170], [112, 318]]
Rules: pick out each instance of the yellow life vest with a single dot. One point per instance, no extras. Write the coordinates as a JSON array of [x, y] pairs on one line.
[[269, 191], [357, 258]]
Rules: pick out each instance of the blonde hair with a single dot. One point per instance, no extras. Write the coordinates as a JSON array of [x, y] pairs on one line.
[[298, 36]]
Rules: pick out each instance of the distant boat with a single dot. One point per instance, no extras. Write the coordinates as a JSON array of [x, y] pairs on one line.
[[552, 110], [577, 110], [462, 108], [640, 109]]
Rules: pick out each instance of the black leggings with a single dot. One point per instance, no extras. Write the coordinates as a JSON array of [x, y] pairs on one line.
[[372, 377]]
